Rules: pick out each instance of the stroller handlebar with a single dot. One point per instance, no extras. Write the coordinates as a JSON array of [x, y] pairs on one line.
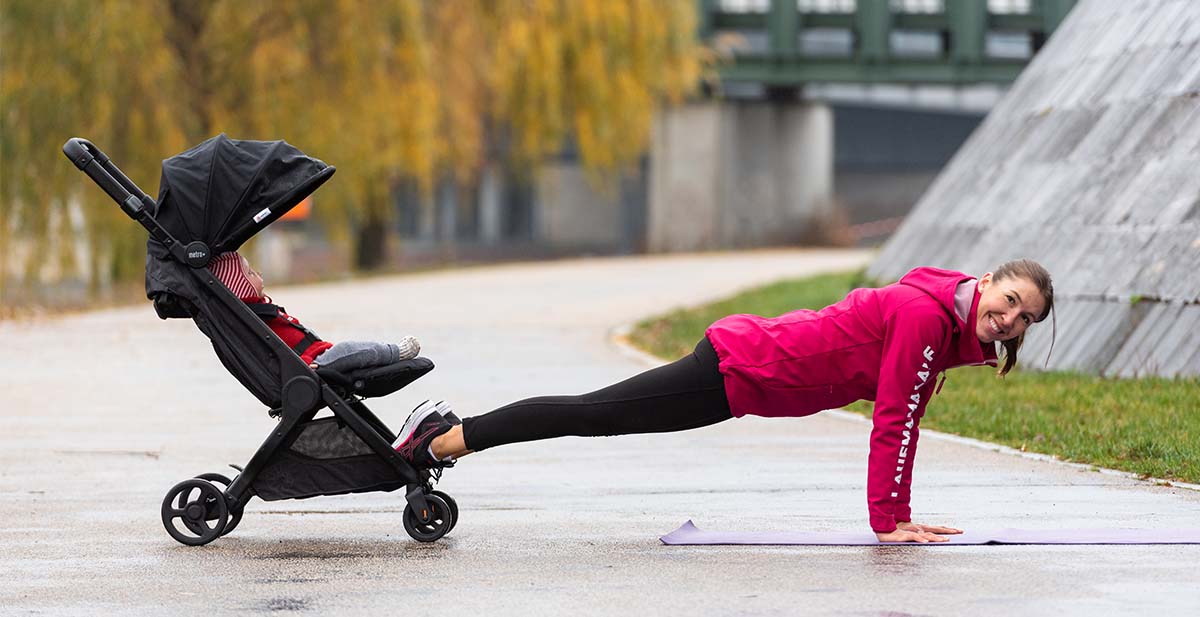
[[77, 147], [137, 204], [92, 161]]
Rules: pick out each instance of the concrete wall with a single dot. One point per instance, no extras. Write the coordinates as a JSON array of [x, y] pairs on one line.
[[570, 212], [1088, 165], [727, 174], [684, 184]]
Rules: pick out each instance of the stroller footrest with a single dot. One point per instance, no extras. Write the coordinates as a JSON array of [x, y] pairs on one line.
[[378, 381]]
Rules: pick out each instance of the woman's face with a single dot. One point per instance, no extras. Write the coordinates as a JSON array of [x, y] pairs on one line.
[[1007, 307]]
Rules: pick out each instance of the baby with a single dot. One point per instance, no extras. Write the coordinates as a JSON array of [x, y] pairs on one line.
[[247, 284]]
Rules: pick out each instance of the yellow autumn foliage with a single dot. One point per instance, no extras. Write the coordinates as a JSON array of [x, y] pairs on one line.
[[389, 90]]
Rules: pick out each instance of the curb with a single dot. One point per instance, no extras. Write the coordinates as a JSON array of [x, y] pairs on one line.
[[619, 337]]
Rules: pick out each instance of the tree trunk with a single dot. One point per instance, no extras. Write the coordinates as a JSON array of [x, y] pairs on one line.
[[189, 19], [370, 251]]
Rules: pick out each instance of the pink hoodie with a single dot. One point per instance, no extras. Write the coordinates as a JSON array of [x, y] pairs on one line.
[[885, 345]]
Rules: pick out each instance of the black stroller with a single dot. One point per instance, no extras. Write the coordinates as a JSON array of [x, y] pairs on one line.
[[212, 199]]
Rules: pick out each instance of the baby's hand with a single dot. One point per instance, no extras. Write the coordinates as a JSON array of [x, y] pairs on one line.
[[312, 365]]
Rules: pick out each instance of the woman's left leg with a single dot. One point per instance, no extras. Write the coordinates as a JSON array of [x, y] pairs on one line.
[[685, 394]]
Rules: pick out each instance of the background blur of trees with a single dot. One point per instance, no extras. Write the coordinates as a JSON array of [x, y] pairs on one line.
[[389, 90]]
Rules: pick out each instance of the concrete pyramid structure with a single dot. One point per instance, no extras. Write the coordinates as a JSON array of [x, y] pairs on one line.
[[1090, 165]]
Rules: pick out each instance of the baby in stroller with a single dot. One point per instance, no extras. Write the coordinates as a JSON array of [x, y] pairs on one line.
[[246, 283], [426, 422]]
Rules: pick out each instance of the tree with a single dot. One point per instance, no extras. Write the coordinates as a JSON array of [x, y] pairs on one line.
[[403, 89], [73, 67]]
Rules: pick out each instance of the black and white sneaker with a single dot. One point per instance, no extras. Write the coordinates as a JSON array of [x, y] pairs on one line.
[[423, 425], [444, 408]]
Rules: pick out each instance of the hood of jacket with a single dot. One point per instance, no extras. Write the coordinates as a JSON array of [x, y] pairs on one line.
[[944, 286]]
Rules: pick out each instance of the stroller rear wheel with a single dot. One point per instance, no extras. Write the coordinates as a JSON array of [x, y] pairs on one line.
[[235, 514], [440, 520], [194, 512]]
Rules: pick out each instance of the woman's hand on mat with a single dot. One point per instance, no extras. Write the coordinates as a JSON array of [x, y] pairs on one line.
[[910, 526], [904, 535]]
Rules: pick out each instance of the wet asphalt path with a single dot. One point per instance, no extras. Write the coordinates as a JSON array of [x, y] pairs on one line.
[[103, 412]]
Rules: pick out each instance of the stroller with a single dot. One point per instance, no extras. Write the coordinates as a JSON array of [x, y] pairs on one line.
[[212, 198]]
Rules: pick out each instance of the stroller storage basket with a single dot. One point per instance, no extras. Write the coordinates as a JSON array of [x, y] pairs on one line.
[[324, 459]]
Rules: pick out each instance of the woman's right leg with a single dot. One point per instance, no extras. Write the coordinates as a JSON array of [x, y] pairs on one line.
[[688, 393]]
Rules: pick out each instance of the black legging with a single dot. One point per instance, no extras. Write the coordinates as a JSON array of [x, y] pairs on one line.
[[688, 393]]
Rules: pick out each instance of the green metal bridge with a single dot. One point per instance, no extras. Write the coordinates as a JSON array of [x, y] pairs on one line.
[[961, 26]]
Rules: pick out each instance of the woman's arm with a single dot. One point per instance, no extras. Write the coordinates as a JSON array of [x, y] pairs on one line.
[[911, 352]]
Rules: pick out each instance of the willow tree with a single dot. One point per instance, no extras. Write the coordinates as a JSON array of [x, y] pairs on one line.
[[593, 71], [356, 85], [387, 91], [74, 67]]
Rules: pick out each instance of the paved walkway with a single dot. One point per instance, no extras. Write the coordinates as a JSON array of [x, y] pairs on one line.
[[103, 412]]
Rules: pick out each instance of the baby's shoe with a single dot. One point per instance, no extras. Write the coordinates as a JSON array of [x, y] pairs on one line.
[[409, 348]]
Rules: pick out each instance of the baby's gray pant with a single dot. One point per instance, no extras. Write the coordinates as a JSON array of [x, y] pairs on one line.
[[350, 355]]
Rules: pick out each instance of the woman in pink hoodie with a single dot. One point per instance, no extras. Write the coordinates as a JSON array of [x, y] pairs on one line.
[[886, 345]]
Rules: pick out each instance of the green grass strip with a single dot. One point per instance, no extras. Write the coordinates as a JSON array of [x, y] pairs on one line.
[[1148, 426]]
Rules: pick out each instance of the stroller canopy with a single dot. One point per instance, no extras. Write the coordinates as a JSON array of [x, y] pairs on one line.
[[221, 193], [224, 190]]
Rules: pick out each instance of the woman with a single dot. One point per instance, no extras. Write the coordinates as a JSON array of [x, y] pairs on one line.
[[887, 345]]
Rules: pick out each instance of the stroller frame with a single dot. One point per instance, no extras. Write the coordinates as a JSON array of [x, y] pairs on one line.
[[206, 511]]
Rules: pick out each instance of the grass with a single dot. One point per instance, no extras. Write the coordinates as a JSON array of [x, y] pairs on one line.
[[1148, 426]]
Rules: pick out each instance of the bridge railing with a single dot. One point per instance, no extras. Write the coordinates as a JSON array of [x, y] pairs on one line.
[[962, 27]]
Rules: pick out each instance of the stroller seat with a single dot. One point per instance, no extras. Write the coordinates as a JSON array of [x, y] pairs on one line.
[[376, 380]]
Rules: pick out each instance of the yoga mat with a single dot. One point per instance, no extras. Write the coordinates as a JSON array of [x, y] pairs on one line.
[[689, 534]]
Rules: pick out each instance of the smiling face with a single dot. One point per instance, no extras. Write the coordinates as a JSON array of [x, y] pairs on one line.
[[1006, 308]]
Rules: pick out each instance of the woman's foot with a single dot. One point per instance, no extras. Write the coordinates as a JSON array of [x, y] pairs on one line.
[[424, 424], [450, 445]]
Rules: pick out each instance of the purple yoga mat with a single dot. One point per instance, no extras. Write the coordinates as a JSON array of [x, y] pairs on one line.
[[690, 534]]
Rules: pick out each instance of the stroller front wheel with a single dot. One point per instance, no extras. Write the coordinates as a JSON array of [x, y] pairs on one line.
[[439, 522], [453, 508]]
